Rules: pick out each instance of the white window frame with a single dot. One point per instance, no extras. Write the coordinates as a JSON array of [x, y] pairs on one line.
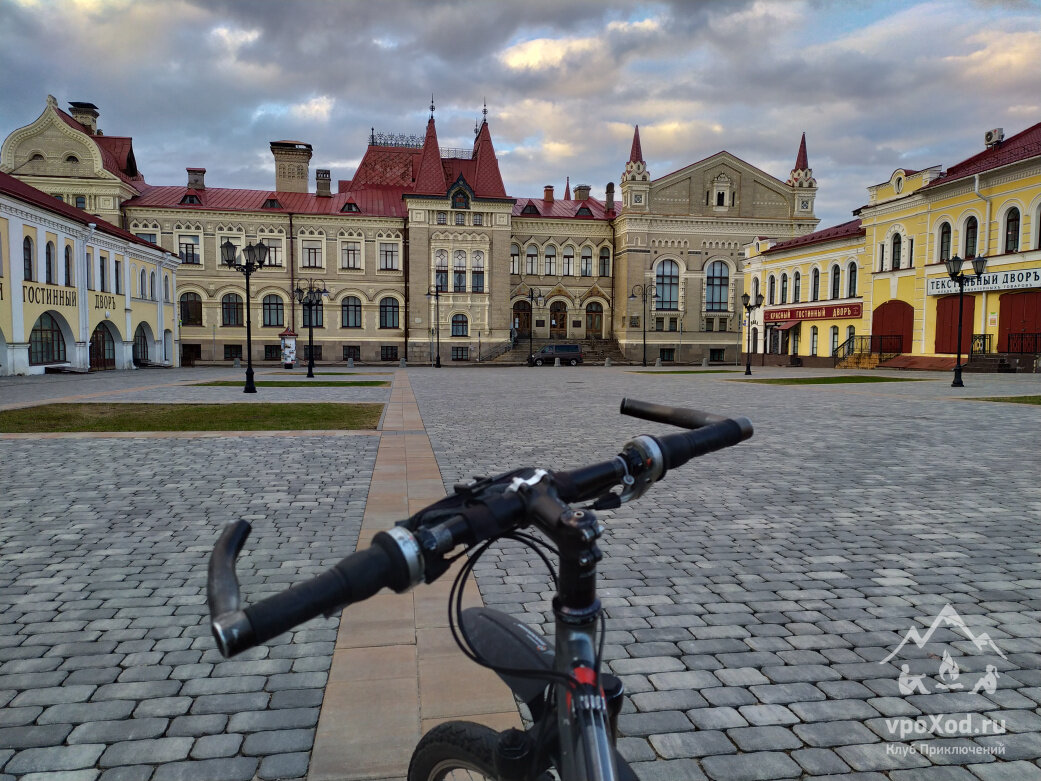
[[344, 241]]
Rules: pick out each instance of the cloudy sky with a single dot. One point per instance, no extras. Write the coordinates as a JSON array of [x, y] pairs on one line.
[[875, 85]]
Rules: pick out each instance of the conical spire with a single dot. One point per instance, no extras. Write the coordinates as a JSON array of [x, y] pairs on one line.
[[488, 182], [636, 155], [431, 176], [567, 190], [801, 161]]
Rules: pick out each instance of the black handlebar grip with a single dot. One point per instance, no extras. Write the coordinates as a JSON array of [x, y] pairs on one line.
[[679, 448], [675, 416], [222, 585], [355, 578]]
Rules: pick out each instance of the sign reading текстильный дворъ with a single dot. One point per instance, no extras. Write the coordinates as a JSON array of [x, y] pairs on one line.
[[995, 280]]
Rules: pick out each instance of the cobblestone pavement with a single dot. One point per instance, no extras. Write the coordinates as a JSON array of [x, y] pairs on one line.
[[107, 669], [753, 595]]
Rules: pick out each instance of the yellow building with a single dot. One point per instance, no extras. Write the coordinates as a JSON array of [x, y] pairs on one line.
[[77, 293], [877, 288]]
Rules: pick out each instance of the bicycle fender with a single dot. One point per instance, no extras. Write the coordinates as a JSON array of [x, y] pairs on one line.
[[506, 642]]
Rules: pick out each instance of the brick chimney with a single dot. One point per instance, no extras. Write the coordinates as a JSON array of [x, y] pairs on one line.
[[292, 160], [197, 178], [609, 201], [323, 182], [581, 192], [547, 194], [86, 114]]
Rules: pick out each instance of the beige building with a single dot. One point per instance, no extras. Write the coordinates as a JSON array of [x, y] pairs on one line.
[[424, 247]]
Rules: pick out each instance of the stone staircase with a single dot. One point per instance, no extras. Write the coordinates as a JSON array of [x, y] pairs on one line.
[[594, 351]]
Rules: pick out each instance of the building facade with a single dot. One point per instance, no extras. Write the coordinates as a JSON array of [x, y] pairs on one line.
[[423, 246], [76, 292], [882, 277]]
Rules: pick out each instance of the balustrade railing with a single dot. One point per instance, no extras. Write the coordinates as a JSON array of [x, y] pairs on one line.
[[1024, 343], [982, 344]]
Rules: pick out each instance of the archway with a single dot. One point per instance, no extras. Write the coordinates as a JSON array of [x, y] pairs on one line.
[[48, 340], [891, 327], [142, 344], [102, 349], [594, 319], [558, 320], [1019, 324], [522, 318], [947, 325]]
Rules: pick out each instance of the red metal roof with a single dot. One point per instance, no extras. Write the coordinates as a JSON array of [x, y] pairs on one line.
[[487, 182], [117, 152], [430, 176], [561, 209], [636, 153], [1021, 146], [16, 188], [376, 201], [843, 231], [802, 161]]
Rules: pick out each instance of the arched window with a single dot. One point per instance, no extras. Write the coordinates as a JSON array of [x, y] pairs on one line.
[[313, 314], [605, 262], [459, 272], [142, 283], [668, 285], [796, 287], [103, 274], [945, 241], [531, 261], [771, 290], [230, 309], [514, 259], [441, 270], [1012, 230], [851, 287], [460, 325], [813, 340], [191, 309], [49, 270], [836, 281], [70, 278], [971, 231], [166, 286], [784, 288], [27, 259], [388, 312], [834, 339], [151, 286], [587, 262], [755, 289], [898, 247], [551, 260], [477, 272], [815, 285], [274, 311], [568, 269], [46, 343], [851, 331], [350, 312], [717, 285]]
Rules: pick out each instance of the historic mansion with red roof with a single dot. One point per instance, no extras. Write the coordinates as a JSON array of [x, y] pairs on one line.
[[425, 246]]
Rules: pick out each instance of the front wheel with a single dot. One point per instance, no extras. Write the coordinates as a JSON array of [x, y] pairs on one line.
[[573, 362], [538, 361], [455, 750]]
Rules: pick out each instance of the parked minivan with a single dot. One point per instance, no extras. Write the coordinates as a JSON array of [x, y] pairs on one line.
[[571, 354]]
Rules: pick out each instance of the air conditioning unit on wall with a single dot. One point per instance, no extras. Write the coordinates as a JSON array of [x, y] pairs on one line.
[[995, 136]]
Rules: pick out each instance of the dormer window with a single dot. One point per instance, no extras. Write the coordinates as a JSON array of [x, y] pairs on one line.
[[72, 159], [529, 209], [272, 203], [460, 201], [584, 212], [191, 200], [351, 208]]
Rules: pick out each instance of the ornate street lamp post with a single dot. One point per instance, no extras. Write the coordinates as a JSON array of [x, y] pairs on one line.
[[435, 292], [645, 292], [979, 265], [309, 297], [533, 294], [746, 302], [254, 255]]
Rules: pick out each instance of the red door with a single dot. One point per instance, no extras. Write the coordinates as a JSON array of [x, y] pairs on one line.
[[947, 324], [1020, 314], [894, 319]]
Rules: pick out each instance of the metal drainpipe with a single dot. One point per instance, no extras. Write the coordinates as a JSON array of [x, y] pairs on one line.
[[405, 262]]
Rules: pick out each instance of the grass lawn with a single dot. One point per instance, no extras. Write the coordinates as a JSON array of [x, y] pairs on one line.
[[1013, 399], [349, 374], [189, 417], [842, 378], [300, 383], [689, 371]]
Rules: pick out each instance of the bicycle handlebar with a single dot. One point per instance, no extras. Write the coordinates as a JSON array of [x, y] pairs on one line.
[[399, 559]]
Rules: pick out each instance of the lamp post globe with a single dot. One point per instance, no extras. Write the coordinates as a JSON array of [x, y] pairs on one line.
[[750, 307], [954, 265], [308, 298]]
